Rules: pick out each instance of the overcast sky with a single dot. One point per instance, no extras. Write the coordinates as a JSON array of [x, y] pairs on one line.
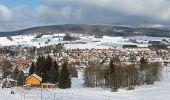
[[19, 14]]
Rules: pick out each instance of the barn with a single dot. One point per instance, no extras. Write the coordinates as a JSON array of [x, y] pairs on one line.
[[33, 80]]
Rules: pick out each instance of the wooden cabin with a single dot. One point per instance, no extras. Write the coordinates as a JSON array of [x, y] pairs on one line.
[[33, 80]]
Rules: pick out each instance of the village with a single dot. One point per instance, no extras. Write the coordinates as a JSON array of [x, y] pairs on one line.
[[22, 58], [60, 65]]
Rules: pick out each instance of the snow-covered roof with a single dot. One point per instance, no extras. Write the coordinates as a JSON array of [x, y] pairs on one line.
[[36, 76]]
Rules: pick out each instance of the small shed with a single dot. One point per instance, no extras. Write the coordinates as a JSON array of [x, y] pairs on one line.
[[48, 85], [34, 80]]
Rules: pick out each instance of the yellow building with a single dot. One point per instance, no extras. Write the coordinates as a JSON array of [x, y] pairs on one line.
[[34, 80]]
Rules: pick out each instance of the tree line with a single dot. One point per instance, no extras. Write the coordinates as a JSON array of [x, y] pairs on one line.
[[118, 75]]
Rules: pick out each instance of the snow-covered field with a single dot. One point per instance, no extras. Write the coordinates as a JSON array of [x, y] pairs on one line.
[[85, 42], [159, 91]]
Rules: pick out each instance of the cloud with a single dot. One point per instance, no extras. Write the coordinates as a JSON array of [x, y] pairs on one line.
[[16, 18], [66, 12], [155, 9], [63, 14], [5, 13], [85, 12], [20, 17], [46, 11]]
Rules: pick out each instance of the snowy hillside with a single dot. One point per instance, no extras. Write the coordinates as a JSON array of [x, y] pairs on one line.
[[83, 43]]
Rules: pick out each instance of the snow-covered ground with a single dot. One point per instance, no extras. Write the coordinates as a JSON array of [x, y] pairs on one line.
[[159, 91], [85, 42]]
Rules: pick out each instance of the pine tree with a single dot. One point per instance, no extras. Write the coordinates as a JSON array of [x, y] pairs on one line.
[[21, 78], [54, 73], [43, 65], [48, 64], [15, 73], [32, 69], [64, 79], [39, 65], [45, 77]]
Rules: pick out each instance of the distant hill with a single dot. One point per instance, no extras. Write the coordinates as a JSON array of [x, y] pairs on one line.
[[111, 30]]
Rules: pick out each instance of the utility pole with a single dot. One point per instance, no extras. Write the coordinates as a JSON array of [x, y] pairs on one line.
[[166, 71], [41, 90], [109, 98], [21, 96], [54, 95], [24, 95], [41, 86]]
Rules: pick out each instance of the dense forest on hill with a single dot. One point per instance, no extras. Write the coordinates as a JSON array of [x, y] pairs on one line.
[[111, 30]]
